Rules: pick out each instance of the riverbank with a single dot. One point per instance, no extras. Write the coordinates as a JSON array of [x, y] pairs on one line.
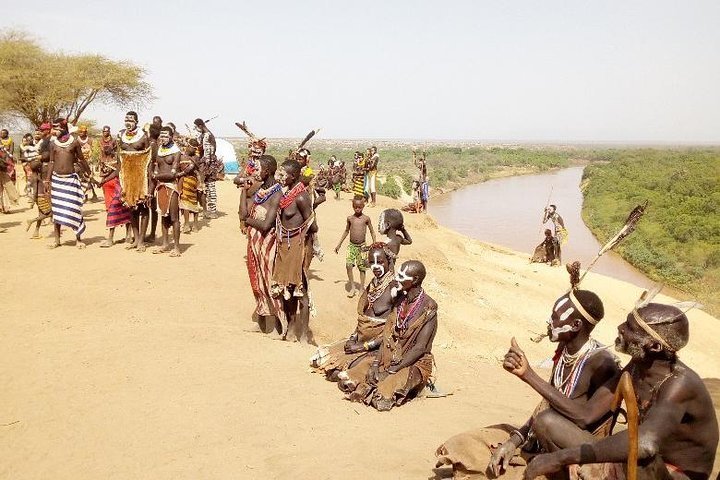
[[126, 365], [678, 241]]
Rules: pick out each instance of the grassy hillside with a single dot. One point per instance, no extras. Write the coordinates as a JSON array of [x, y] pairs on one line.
[[678, 241]]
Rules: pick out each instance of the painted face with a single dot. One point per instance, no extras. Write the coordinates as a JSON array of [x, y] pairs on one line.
[[130, 123], [630, 338], [560, 324], [197, 129], [57, 129], [382, 224], [378, 263], [106, 132], [256, 149], [165, 138], [403, 278], [282, 176], [190, 150]]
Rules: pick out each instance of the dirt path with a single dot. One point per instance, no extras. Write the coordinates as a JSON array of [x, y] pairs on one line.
[[121, 365]]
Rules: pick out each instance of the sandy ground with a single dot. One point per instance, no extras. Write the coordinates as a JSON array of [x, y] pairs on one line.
[[120, 365]]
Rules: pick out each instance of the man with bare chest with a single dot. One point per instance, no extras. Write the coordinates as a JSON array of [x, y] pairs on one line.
[[573, 409], [66, 191], [678, 428], [295, 220], [134, 156], [165, 174]]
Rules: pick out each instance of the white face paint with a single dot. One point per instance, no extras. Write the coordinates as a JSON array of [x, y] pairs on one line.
[[382, 226], [402, 276], [555, 332], [376, 266], [564, 314]]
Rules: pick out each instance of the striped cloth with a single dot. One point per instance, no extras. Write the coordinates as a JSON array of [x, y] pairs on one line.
[[66, 197], [188, 194], [211, 196], [359, 185], [117, 213]]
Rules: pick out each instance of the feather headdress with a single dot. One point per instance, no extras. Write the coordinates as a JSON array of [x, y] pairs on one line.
[[261, 142], [307, 138], [629, 227]]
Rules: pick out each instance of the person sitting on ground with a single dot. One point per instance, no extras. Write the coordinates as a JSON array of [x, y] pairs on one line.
[[548, 251], [373, 308], [584, 373], [678, 428], [357, 224], [402, 366]]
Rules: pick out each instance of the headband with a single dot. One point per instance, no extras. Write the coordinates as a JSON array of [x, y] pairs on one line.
[[649, 330], [581, 309]]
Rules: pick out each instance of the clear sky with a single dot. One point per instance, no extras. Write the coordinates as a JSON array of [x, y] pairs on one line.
[[530, 70]]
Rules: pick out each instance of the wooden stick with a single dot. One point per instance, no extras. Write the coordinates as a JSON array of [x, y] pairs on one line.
[[626, 392]]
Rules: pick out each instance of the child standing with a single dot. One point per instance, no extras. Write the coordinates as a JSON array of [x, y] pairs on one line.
[[357, 223]]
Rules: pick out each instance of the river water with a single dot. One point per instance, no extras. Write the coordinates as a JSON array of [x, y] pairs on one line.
[[508, 212]]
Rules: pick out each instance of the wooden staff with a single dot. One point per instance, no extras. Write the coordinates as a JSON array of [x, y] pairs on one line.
[[547, 205], [626, 392]]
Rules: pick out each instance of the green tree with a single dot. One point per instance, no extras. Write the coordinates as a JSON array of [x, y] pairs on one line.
[[38, 85]]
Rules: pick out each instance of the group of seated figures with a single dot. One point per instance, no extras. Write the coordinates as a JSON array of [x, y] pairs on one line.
[[388, 359], [570, 433]]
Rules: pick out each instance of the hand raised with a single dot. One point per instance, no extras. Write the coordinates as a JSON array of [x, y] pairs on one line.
[[515, 360]]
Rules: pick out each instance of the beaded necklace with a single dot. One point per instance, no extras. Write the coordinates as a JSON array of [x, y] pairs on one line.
[[290, 196], [566, 384], [376, 291], [262, 196], [405, 312]]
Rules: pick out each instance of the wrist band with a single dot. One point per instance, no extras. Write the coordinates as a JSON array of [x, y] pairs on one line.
[[519, 434]]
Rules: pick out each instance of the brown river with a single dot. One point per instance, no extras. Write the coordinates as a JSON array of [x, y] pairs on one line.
[[508, 212]]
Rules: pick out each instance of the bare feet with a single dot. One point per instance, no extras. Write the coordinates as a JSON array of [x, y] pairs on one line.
[[352, 293], [186, 228], [130, 246], [141, 248], [195, 229], [36, 236], [162, 249], [106, 244], [175, 252], [54, 245], [79, 244]]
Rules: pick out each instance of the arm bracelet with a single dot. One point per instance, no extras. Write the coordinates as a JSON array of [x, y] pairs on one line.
[[520, 435]]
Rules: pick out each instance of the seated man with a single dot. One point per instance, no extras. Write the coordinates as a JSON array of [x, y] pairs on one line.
[[583, 373], [678, 432], [548, 251], [374, 306], [402, 366]]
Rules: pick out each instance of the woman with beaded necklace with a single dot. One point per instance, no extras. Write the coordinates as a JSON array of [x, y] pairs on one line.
[[373, 308], [403, 364]]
